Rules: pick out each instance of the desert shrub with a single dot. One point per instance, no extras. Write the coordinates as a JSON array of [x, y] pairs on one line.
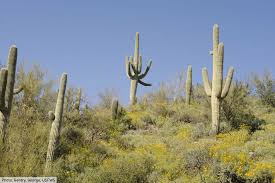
[[132, 167], [169, 90], [73, 135], [236, 108], [106, 98], [265, 88], [199, 95], [25, 151], [239, 158], [194, 113], [37, 95], [70, 99], [157, 140], [195, 160]]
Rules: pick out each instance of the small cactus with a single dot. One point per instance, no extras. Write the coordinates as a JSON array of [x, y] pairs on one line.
[[115, 108], [56, 125], [134, 69], [7, 80], [217, 91], [188, 85]]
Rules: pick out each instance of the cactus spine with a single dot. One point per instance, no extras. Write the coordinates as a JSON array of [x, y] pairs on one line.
[[133, 71], [7, 80], [56, 125], [217, 91], [188, 85]]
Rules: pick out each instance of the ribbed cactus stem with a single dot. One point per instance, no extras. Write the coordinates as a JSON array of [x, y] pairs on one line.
[[136, 52], [133, 71], [56, 125], [188, 85], [12, 59], [217, 91], [133, 92], [7, 89], [114, 108], [78, 100]]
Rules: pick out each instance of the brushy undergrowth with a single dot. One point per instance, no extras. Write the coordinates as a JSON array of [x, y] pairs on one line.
[[158, 140]]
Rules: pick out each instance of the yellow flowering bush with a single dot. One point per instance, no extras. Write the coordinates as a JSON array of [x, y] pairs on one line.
[[260, 168]]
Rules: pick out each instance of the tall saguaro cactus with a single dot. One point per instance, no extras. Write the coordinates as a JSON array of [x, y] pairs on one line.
[[134, 69], [7, 80], [56, 125], [188, 85], [217, 91]]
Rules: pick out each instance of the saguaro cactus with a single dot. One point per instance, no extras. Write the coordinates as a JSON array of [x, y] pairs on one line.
[[78, 100], [56, 125], [134, 69], [217, 92], [188, 85], [114, 108], [7, 80]]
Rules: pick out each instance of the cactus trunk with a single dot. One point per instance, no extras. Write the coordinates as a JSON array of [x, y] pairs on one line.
[[133, 92], [56, 125], [134, 83], [188, 87], [215, 106]]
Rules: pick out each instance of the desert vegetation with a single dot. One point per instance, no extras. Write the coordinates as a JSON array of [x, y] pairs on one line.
[[211, 132]]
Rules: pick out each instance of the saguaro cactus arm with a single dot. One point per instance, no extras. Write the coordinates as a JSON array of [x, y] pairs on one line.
[[135, 73], [228, 82], [127, 67], [206, 83], [136, 76], [143, 83], [146, 70], [3, 84], [18, 90]]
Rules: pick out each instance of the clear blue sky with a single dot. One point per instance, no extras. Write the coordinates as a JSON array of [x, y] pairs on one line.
[[89, 39]]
